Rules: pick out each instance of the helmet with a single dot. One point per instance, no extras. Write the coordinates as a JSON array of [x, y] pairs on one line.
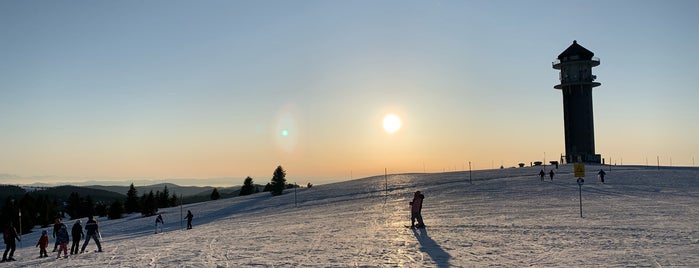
[[44, 232]]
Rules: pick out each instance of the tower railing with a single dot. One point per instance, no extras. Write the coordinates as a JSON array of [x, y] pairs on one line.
[[557, 63]]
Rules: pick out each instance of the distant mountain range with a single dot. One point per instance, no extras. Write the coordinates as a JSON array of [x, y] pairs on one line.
[[108, 194]]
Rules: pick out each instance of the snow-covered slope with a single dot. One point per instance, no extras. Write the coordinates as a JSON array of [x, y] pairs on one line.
[[641, 217]]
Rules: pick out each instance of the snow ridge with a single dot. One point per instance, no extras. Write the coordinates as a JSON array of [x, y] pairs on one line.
[[642, 216]]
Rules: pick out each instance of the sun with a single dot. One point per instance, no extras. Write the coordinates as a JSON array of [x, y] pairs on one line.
[[391, 123]]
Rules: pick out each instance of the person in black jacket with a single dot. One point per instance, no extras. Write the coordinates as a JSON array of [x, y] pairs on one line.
[[78, 234], [10, 235], [189, 219], [56, 227], [92, 232]]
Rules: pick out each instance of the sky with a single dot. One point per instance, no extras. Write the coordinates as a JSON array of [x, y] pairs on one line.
[[104, 90]]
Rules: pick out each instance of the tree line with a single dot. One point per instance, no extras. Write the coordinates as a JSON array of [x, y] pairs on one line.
[[42, 210]]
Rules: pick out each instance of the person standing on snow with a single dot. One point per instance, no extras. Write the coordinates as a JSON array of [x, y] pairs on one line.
[[189, 219], [56, 228], [159, 221], [10, 235], [92, 232], [601, 174], [43, 244], [78, 234], [62, 238], [542, 174], [416, 210], [551, 174]]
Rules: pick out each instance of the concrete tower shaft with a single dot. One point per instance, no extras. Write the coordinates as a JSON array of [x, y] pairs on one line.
[[575, 65]]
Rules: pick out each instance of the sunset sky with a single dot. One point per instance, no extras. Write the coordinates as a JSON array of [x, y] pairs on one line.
[[229, 89]]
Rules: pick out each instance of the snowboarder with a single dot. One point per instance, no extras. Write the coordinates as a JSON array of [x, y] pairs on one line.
[[189, 219], [92, 229], [62, 238], [551, 174], [78, 235], [601, 174], [159, 221], [43, 244], [56, 227], [10, 235], [416, 210], [542, 174]]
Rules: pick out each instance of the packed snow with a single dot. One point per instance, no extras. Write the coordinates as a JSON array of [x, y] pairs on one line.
[[641, 216]]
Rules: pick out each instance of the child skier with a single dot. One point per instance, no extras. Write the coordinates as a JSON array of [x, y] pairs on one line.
[[416, 210], [43, 244], [62, 238]]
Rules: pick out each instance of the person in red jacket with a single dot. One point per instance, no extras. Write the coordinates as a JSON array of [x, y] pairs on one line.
[[43, 244], [416, 210]]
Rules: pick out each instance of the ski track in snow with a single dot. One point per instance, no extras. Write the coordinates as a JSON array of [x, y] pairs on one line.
[[641, 217]]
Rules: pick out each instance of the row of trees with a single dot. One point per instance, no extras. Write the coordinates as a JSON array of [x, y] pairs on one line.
[[42, 210], [148, 204], [276, 186], [36, 210]]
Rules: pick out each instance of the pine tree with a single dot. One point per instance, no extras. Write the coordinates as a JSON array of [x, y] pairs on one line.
[[173, 200], [163, 201], [132, 202], [75, 206], [88, 206], [215, 195], [115, 210], [148, 205], [248, 187], [278, 181]]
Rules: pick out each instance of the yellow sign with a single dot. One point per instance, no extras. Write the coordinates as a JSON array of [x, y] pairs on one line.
[[579, 170]]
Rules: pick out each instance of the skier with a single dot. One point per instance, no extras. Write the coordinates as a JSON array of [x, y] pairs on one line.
[[43, 244], [10, 235], [189, 219], [159, 220], [92, 229], [551, 174], [56, 227], [601, 174], [62, 238], [416, 210], [542, 174], [78, 234]]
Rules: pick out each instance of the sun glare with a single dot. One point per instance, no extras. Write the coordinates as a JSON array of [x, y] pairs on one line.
[[391, 123]]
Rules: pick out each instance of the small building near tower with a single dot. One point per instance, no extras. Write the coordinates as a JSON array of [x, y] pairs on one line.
[[576, 83]]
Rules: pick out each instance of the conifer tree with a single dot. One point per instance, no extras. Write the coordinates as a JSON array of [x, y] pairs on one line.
[[248, 187], [115, 210], [278, 181], [132, 202], [215, 195]]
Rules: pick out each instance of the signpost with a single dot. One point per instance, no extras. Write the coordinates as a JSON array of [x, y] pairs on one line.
[[580, 174], [20, 229]]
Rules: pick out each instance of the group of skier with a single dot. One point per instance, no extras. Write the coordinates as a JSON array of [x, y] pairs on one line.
[[61, 237], [601, 174], [60, 233]]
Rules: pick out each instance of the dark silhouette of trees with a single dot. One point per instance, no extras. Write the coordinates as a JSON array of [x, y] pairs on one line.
[[74, 206], [148, 204], [101, 209], [116, 210], [163, 197], [278, 182], [173, 201], [215, 195], [132, 203], [248, 187]]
